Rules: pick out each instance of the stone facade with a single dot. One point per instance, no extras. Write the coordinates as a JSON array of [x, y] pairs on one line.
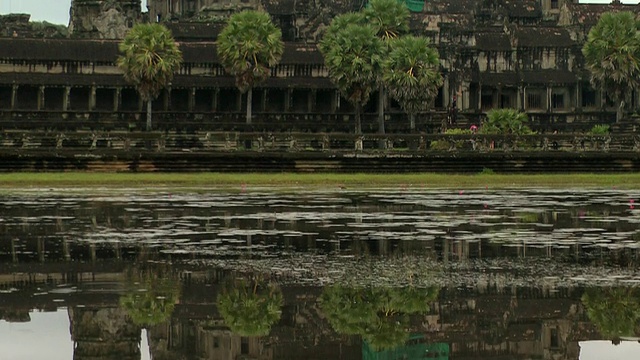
[[494, 54], [103, 19]]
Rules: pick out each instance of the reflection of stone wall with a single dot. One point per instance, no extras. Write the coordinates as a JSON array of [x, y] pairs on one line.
[[103, 19], [15, 315], [103, 333]]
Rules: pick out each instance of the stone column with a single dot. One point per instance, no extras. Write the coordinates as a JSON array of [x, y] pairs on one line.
[[92, 98], [479, 96], [214, 99], [117, 98], [465, 102], [263, 99], [287, 100], [65, 98], [520, 98], [41, 98], [312, 95], [578, 95], [446, 98], [548, 98], [335, 101], [14, 96], [192, 99]]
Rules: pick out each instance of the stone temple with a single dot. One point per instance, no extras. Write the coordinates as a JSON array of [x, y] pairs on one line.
[[523, 54]]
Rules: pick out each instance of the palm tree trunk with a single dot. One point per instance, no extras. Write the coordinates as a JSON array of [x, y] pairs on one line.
[[358, 122], [381, 97], [249, 103], [620, 112], [149, 115]]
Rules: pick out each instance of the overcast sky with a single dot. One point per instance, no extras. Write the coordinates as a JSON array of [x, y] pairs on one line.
[[57, 11]]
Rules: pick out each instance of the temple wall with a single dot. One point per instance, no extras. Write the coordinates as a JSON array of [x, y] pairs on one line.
[[494, 54]]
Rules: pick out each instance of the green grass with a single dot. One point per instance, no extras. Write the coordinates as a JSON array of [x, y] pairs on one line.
[[352, 181]]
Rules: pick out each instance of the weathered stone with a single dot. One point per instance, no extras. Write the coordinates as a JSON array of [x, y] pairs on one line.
[[103, 19]]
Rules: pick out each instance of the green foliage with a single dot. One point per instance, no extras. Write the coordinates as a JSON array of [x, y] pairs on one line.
[[600, 129], [150, 296], [446, 145], [352, 56], [49, 30], [389, 18], [338, 24], [379, 315], [411, 73], [250, 307], [506, 122], [149, 59], [614, 311], [248, 46], [612, 54], [487, 171]]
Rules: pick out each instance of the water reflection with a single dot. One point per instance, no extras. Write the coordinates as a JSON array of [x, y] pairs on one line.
[[379, 315], [323, 275], [214, 317], [151, 294], [250, 307], [614, 311]]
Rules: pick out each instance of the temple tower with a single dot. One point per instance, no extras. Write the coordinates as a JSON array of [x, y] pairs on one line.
[[103, 19]]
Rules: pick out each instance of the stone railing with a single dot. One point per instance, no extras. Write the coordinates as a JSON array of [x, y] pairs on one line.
[[96, 141]]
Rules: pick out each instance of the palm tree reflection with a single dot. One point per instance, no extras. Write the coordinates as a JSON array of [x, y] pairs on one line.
[[614, 311], [379, 315], [151, 295], [250, 306]]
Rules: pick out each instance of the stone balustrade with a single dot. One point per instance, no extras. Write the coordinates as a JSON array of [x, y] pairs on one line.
[[168, 142]]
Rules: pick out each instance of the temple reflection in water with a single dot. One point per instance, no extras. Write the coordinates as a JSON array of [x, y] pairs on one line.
[[489, 321], [117, 266]]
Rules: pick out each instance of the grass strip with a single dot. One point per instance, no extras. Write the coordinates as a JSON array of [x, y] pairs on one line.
[[319, 180]]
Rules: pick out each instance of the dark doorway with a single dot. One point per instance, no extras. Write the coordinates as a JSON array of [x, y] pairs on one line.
[[204, 100], [27, 98], [130, 100], [79, 98]]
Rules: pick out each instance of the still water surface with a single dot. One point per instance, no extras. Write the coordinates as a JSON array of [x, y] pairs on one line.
[[333, 274]]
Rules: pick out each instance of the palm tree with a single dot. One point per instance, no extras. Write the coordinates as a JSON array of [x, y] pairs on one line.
[[248, 46], [412, 74], [150, 57], [612, 55], [250, 307], [352, 55], [390, 19]]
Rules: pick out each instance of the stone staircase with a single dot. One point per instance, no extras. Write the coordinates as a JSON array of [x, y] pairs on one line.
[[629, 126]]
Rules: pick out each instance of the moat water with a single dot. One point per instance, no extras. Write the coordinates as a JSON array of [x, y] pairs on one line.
[[260, 273]]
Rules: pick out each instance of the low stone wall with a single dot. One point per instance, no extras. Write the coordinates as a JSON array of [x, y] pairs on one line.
[[314, 152]]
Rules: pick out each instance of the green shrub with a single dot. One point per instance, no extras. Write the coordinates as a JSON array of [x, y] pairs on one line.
[[506, 122], [600, 129], [445, 145], [439, 145]]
